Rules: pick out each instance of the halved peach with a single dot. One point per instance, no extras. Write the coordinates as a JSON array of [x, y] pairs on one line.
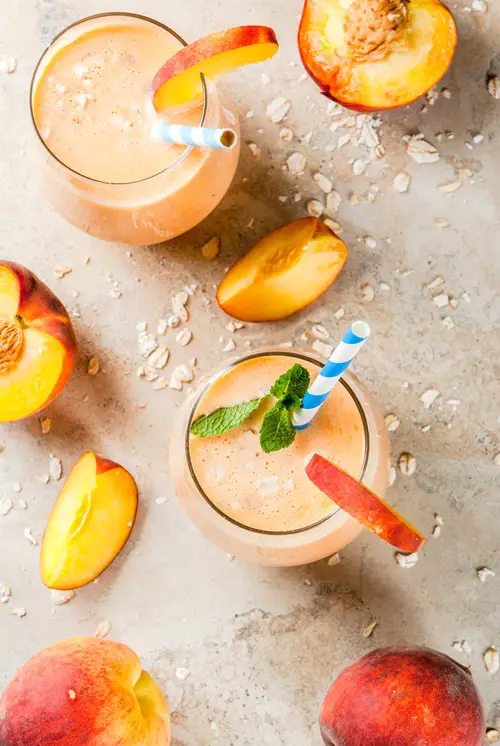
[[376, 54], [37, 343], [89, 524], [284, 272], [363, 505], [179, 80]]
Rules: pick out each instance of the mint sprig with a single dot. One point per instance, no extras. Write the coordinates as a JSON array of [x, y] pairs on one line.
[[225, 418], [277, 430]]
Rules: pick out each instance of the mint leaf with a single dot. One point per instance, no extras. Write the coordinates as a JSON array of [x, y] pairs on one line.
[[277, 430], [224, 419], [291, 402], [294, 382]]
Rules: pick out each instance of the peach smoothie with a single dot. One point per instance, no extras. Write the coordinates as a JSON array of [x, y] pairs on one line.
[[103, 166], [262, 506]]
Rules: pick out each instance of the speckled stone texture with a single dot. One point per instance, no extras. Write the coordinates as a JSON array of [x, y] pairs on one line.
[[261, 646]]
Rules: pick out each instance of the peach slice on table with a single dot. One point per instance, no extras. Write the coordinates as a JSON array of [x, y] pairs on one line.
[[89, 524], [179, 80], [376, 54], [363, 505], [84, 691], [284, 272], [37, 343]]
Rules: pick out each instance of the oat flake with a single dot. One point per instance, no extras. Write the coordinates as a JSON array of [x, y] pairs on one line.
[[45, 425], [401, 182], [211, 249], [494, 87], [406, 560], [367, 632], [59, 598], [6, 506], [421, 151], [315, 208], [483, 573], [103, 629], [277, 110], [429, 397], [323, 182], [93, 366], [392, 422], [407, 464], [296, 163], [491, 660]]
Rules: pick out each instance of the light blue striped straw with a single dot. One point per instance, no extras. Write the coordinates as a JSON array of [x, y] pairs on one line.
[[339, 361], [201, 137]]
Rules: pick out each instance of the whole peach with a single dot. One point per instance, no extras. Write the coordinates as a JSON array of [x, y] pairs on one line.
[[84, 692], [403, 696]]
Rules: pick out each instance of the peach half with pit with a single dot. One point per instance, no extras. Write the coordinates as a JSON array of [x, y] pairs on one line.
[[84, 692], [89, 524], [284, 272], [37, 343], [403, 696], [179, 80], [371, 55]]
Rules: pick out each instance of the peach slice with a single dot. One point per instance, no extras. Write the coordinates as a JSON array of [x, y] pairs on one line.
[[37, 344], [362, 505], [376, 54], [89, 524], [179, 80], [84, 692], [285, 271]]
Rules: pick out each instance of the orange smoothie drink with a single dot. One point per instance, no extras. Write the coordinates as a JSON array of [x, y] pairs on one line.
[[261, 506], [102, 165]]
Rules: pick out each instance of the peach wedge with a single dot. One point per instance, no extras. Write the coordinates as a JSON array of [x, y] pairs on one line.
[[376, 54], [363, 505], [37, 344], [89, 524], [179, 80], [284, 272], [84, 692]]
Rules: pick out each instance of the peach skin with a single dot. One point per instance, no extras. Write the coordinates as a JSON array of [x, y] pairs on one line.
[[37, 344], [363, 505], [284, 272], [376, 54], [84, 692], [90, 523], [179, 80]]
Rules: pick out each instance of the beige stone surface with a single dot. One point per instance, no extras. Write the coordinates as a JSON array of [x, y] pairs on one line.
[[262, 645]]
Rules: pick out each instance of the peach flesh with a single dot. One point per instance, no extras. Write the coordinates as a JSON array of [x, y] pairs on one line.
[[372, 55], [90, 523], [179, 80], [37, 343], [84, 692], [284, 272], [403, 696]]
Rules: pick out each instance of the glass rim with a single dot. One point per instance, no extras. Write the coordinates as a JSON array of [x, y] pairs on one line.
[[217, 375], [75, 24]]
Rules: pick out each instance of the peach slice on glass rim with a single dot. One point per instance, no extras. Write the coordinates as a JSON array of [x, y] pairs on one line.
[[37, 343], [179, 80], [363, 505], [376, 54], [90, 523], [284, 272]]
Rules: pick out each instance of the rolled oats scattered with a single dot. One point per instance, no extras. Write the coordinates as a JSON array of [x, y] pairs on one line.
[[296, 163], [448, 322], [315, 208], [18, 611], [59, 598], [29, 537], [160, 383], [103, 629], [392, 422], [401, 182], [339, 314], [93, 366], [421, 151], [359, 166], [442, 222], [147, 344], [491, 660], [367, 292], [437, 282], [483, 573], [322, 349], [367, 632], [450, 186], [184, 337], [278, 109], [429, 397], [229, 346], [441, 300], [370, 242], [494, 87], [334, 560], [323, 182], [407, 464], [254, 149], [492, 735], [162, 326], [55, 468], [406, 560], [159, 358], [462, 646], [333, 201], [115, 293], [211, 249], [8, 64], [436, 531], [286, 134], [320, 332], [160, 500], [181, 673], [45, 425], [333, 225], [6, 506], [61, 272]]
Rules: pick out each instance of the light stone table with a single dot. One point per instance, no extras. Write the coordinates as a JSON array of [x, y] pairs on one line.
[[260, 646]]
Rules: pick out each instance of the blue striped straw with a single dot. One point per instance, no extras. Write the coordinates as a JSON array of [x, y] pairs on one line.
[[339, 361], [201, 137]]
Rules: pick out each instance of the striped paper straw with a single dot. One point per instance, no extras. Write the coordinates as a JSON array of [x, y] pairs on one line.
[[202, 137], [339, 361]]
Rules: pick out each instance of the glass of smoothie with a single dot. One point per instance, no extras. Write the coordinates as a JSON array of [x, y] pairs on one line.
[[100, 164], [261, 507]]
